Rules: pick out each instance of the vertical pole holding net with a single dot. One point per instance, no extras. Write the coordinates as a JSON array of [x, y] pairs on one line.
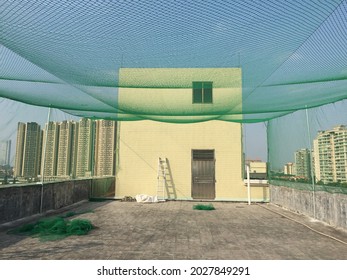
[[311, 165], [44, 158], [248, 185]]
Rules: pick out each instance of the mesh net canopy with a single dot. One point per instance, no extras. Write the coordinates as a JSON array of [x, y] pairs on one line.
[[281, 64], [69, 55]]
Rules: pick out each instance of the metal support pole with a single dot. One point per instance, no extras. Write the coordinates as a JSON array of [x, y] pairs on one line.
[[248, 185], [312, 172], [44, 158]]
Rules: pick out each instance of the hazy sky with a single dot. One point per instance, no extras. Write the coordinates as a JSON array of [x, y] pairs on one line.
[[254, 137], [288, 133], [292, 54], [12, 112]]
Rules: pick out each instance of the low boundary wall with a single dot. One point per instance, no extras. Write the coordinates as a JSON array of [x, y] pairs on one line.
[[330, 208], [20, 201]]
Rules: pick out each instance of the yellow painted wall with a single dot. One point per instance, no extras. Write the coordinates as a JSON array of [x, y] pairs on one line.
[[257, 167], [143, 142], [166, 94]]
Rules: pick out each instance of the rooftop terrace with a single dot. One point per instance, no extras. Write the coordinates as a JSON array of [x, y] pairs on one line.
[[174, 231]]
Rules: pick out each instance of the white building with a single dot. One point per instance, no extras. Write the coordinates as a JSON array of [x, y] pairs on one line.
[[105, 148], [330, 149], [85, 148], [289, 168], [28, 150], [5, 152], [67, 151], [303, 163], [50, 150]]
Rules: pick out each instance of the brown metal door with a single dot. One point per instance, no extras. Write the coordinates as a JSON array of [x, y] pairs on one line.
[[203, 174]]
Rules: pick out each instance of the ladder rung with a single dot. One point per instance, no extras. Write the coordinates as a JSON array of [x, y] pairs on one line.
[[162, 182]]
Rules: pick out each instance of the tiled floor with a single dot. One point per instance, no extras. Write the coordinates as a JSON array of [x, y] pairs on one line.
[[173, 230]]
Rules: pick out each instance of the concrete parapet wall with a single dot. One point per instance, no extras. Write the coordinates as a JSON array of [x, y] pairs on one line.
[[330, 208], [20, 201]]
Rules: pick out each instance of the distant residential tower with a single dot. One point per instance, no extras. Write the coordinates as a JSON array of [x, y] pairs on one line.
[[28, 150], [303, 163], [330, 150]]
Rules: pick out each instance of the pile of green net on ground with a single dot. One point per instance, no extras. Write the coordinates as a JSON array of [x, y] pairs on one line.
[[55, 228], [207, 207]]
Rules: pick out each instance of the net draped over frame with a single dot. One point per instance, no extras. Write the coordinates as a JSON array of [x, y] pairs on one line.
[[68, 54]]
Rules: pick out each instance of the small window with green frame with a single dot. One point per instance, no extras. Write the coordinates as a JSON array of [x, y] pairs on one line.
[[202, 92]]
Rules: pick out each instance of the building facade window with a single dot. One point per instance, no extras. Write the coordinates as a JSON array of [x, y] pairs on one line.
[[202, 92]]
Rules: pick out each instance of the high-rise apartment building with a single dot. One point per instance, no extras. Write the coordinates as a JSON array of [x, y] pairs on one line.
[[18, 163], [330, 149], [67, 149], [105, 148], [28, 150], [85, 148], [303, 163], [5, 152], [50, 150], [289, 168]]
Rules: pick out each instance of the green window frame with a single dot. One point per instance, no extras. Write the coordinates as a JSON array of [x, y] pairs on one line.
[[202, 92]]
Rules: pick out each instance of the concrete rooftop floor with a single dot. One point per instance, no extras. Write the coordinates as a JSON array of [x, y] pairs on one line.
[[173, 230]]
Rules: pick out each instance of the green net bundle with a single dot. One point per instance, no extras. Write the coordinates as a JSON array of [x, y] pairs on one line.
[[55, 228], [207, 207]]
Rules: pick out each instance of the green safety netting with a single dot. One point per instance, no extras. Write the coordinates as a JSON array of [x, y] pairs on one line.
[[56, 228], [309, 144], [70, 55]]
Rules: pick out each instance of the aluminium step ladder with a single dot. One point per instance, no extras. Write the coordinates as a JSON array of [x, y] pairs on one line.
[[170, 185], [162, 172]]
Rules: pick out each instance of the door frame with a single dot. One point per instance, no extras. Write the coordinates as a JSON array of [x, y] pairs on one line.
[[211, 193]]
